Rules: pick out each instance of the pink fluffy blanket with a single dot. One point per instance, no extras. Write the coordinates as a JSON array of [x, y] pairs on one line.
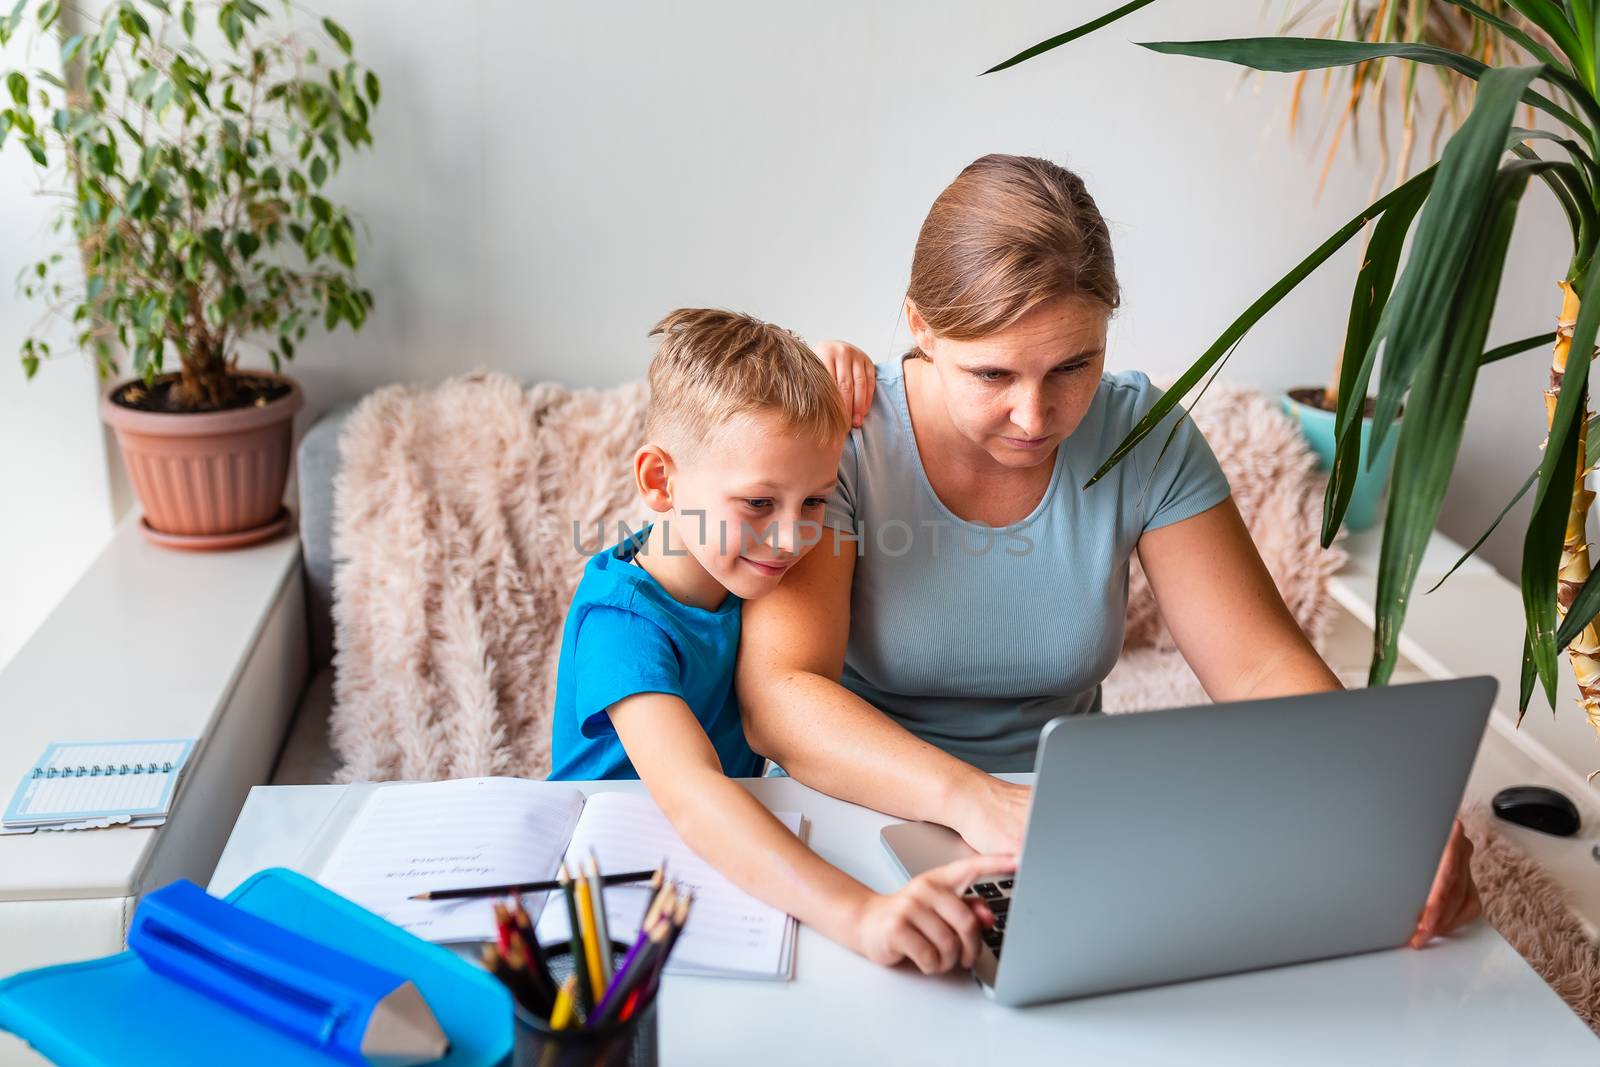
[[454, 513]]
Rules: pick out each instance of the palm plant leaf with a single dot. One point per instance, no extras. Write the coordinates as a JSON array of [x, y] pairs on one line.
[[1533, 477], [1541, 549], [1071, 35], [1430, 436], [1251, 315], [1525, 40], [1367, 303], [1290, 54]]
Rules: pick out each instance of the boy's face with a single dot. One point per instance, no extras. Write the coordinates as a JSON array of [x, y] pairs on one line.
[[747, 501]]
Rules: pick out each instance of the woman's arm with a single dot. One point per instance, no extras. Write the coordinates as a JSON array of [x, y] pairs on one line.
[[791, 653], [1205, 570]]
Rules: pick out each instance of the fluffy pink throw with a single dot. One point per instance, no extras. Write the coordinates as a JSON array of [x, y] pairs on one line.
[[453, 531], [453, 524]]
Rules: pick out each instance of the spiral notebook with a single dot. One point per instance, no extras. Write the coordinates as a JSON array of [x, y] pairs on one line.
[[83, 785]]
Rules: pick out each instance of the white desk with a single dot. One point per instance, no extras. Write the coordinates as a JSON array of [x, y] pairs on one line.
[[1468, 1000]]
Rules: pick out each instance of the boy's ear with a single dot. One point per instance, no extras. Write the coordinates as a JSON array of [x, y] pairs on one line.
[[652, 470]]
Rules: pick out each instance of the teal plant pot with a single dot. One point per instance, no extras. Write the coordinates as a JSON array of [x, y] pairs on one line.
[[1317, 427]]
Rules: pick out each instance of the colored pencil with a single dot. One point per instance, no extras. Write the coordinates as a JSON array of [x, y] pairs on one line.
[[538, 964], [561, 1014], [602, 926], [582, 1000], [657, 880], [634, 979], [522, 887], [591, 943]]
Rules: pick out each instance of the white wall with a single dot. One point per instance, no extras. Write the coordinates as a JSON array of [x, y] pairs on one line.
[[54, 510], [549, 178]]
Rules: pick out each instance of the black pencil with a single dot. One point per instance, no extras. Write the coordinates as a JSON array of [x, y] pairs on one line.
[[522, 887], [584, 1001]]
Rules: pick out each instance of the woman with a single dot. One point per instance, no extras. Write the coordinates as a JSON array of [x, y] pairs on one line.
[[968, 588]]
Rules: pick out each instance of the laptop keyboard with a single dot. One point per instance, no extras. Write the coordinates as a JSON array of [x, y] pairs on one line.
[[997, 895]]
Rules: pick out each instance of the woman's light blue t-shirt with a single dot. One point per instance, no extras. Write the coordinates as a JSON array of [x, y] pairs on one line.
[[973, 636], [625, 634]]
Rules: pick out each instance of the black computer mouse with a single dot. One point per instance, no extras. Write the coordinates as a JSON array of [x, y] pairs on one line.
[[1537, 808]]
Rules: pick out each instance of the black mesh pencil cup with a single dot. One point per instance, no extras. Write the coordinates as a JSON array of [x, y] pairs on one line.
[[626, 1043]]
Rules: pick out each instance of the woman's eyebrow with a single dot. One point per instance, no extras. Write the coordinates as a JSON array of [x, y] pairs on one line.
[[987, 368]]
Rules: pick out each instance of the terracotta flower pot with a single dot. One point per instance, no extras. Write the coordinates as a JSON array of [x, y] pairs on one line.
[[212, 479]]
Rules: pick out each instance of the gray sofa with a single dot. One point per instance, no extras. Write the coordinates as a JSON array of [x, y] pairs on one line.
[[306, 757]]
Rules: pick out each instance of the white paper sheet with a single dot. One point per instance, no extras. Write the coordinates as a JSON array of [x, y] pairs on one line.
[[413, 837], [730, 932]]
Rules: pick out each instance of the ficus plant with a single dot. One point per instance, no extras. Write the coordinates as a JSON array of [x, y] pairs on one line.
[[1429, 321], [191, 144]]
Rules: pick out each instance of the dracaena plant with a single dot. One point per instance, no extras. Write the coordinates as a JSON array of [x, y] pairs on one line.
[[1364, 87], [191, 165], [1430, 323]]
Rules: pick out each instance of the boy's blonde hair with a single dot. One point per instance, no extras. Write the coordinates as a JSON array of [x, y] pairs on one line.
[[712, 365]]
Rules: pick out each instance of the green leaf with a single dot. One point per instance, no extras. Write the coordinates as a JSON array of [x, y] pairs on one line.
[[336, 31], [1548, 17], [247, 243], [1370, 297], [1585, 606], [1525, 690], [232, 25], [17, 84], [140, 89], [1533, 477], [188, 18], [1517, 347], [1071, 35], [30, 366], [1524, 40], [1436, 416], [319, 171], [1541, 548], [1251, 315], [372, 88], [1415, 322], [1292, 54], [103, 39], [71, 46]]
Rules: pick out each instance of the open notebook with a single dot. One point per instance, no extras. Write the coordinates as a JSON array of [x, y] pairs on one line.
[[385, 841]]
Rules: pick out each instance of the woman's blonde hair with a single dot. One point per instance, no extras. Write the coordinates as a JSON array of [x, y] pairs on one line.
[[1008, 233], [712, 365]]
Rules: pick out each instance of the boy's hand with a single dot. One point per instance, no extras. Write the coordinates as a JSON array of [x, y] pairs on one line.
[[853, 370], [928, 921]]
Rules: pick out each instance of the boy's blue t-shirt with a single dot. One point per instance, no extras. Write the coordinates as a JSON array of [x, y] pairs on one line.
[[625, 634]]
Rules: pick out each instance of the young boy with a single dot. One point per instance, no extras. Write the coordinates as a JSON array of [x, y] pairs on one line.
[[744, 431]]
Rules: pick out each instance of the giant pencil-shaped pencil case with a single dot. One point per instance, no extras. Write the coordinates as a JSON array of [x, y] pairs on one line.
[[284, 972]]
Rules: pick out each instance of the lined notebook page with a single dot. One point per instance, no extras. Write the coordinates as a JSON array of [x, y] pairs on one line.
[[729, 932], [445, 835], [75, 780]]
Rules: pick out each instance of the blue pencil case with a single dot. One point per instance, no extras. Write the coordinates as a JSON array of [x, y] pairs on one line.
[[118, 1010]]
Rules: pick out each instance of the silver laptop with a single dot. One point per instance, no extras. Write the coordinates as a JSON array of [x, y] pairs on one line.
[[1169, 845]]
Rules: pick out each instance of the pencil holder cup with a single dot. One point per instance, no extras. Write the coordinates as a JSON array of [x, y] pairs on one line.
[[627, 1043]]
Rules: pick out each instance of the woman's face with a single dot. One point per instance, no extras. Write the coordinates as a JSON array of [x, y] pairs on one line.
[[1020, 392]]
